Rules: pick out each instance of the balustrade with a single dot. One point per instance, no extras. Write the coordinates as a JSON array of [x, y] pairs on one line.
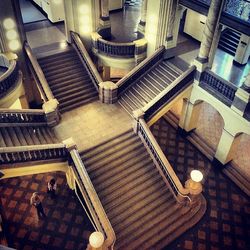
[[32, 153], [165, 168], [22, 116], [222, 89]]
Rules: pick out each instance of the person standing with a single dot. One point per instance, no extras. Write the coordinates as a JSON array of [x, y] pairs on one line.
[[52, 188], [36, 202]]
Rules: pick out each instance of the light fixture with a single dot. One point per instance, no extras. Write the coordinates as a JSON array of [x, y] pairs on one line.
[[96, 239], [8, 23], [14, 45], [196, 175], [11, 34]]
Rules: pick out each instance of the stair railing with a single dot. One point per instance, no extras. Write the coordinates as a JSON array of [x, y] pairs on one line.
[[20, 154], [139, 70], [161, 162], [217, 86], [22, 117], [9, 78], [169, 93], [38, 75], [95, 207], [88, 63]]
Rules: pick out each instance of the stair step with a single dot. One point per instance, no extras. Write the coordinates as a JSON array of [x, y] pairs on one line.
[[64, 75], [115, 185], [77, 104], [53, 65], [121, 168], [63, 68], [108, 161], [150, 228], [26, 134], [57, 56], [109, 150], [132, 189], [13, 136], [92, 152], [2, 142], [128, 215], [22, 136], [7, 140]]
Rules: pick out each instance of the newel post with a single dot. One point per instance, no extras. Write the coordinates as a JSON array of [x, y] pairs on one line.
[[108, 92], [137, 115], [194, 186], [70, 177], [51, 111]]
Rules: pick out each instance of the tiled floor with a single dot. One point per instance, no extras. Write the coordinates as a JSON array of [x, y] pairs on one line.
[[226, 223], [66, 225]]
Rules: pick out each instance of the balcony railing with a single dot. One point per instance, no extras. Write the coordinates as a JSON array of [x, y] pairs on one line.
[[133, 49], [218, 87], [22, 117], [8, 79]]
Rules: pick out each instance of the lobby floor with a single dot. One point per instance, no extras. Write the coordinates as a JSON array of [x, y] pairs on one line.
[[66, 225], [226, 223]]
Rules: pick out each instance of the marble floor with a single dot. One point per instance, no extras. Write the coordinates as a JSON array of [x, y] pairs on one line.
[[93, 123]]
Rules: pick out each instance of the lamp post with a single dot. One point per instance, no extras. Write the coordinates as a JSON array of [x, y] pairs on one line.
[[194, 185], [96, 241]]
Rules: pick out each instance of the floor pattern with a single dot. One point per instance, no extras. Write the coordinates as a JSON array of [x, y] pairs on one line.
[[66, 225], [133, 2], [227, 220]]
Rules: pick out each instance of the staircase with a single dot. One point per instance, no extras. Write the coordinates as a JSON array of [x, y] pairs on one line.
[[139, 205], [22, 136], [148, 86], [229, 41], [68, 79]]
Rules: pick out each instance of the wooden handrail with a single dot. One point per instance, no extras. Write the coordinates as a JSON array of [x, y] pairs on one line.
[[22, 111], [105, 224], [140, 69], [94, 74], [39, 75], [161, 161]]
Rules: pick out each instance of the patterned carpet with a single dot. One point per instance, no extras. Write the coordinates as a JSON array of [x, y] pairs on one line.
[[66, 225], [133, 2], [226, 224]]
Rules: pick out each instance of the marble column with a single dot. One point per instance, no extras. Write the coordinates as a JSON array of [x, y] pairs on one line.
[[241, 102], [142, 23], [171, 20], [104, 20], [213, 17]]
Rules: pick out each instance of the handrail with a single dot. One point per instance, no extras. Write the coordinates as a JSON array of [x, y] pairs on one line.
[[100, 216], [9, 78], [163, 164], [139, 70], [184, 80], [21, 116], [94, 74], [38, 74], [216, 85]]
